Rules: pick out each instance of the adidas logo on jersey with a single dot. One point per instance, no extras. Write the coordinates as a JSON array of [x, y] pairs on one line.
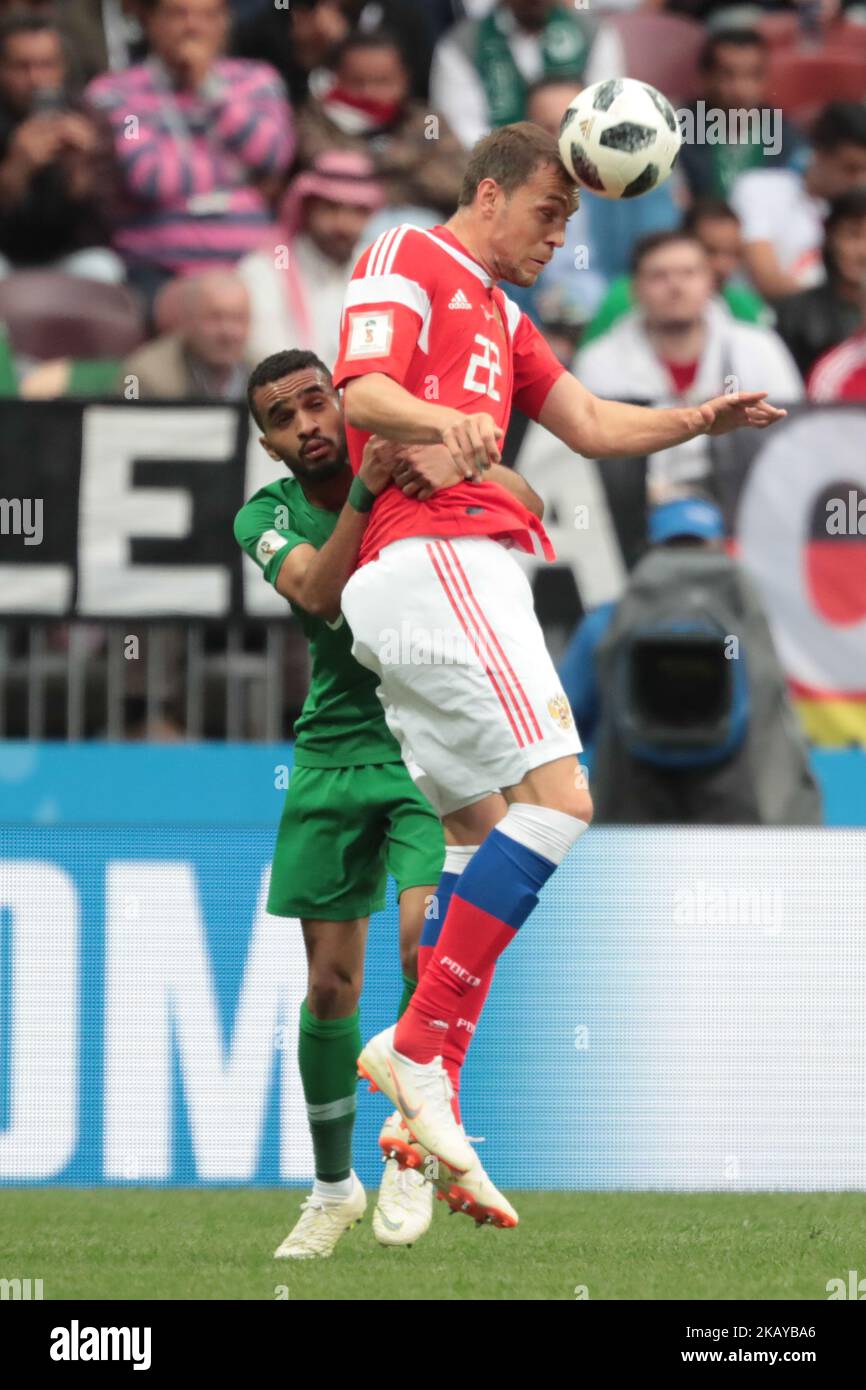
[[459, 301]]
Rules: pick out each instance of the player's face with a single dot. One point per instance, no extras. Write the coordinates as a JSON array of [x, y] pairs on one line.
[[528, 225], [302, 422]]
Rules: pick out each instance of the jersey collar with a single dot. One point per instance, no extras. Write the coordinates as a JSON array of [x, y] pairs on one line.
[[448, 241]]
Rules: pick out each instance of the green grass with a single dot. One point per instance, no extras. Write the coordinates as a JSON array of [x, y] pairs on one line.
[[180, 1244]]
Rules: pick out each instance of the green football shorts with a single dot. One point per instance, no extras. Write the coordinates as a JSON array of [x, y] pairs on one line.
[[342, 831]]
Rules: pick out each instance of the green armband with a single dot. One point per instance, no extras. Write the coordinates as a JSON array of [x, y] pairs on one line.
[[360, 496]]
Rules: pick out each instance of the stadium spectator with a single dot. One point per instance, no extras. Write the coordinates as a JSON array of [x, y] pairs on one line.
[[411, 25], [717, 228], [98, 34], [483, 68], [56, 163], [300, 41], [680, 346], [297, 281], [201, 140], [840, 375], [368, 108], [816, 320], [782, 211], [734, 72], [207, 357], [686, 728]]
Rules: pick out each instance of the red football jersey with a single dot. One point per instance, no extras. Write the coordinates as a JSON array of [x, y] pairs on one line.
[[423, 311]]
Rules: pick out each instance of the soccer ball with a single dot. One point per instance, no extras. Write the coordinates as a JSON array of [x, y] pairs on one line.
[[619, 138]]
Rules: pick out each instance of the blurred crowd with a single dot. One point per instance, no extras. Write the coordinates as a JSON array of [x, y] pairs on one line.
[[185, 184]]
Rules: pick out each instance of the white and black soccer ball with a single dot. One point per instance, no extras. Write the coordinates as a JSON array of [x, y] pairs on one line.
[[619, 138]]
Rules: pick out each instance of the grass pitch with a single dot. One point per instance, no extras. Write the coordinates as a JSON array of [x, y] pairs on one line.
[[185, 1244]]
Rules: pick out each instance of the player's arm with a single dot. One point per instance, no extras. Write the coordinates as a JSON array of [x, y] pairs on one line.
[[377, 403], [515, 483], [314, 579], [598, 428], [427, 468], [386, 310]]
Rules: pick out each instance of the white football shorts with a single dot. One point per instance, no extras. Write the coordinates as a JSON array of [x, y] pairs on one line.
[[466, 682]]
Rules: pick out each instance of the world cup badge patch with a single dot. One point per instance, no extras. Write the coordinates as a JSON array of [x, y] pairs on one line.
[[560, 711], [370, 334], [268, 545]]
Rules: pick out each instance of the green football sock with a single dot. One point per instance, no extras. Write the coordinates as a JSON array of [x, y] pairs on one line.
[[327, 1052], [409, 987]]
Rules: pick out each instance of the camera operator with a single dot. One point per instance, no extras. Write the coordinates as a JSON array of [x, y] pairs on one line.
[[679, 688]]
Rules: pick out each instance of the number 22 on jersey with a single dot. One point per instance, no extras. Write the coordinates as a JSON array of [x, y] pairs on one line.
[[484, 367]]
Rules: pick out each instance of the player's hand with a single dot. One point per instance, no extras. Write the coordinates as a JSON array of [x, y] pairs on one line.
[[378, 462], [471, 440], [423, 469], [725, 413]]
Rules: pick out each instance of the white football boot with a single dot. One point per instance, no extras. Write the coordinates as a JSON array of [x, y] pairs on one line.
[[321, 1223], [471, 1193], [422, 1094], [404, 1209]]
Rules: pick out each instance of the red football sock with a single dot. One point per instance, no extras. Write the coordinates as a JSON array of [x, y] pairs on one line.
[[461, 1033], [462, 1029], [471, 942]]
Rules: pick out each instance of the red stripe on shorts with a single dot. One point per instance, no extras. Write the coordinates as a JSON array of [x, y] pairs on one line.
[[448, 559], [452, 597], [484, 619]]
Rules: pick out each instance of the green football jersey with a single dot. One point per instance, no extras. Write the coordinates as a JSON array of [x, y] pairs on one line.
[[342, 723]]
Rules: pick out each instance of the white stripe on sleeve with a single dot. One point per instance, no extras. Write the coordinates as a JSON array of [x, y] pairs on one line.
[[376, 263], [382, 290], [513, 313]]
